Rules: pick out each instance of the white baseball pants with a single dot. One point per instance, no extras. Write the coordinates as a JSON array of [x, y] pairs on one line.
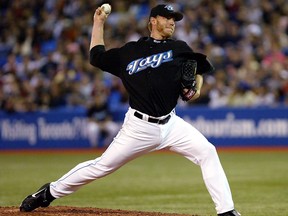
[[138, 137]]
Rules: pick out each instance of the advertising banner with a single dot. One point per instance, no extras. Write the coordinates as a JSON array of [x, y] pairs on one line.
[[43, 130], [222, 127]]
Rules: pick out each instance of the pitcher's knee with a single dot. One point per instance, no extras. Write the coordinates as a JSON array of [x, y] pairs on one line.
[[209, 153], [212, 149]]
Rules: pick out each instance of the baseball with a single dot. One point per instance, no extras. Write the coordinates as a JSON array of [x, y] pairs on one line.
[[106, 8]]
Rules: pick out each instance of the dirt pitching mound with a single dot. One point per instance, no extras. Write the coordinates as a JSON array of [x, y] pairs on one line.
[[72, 211]]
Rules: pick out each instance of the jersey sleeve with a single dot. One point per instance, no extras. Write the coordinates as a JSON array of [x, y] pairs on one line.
[[204, 65], [105, 60]]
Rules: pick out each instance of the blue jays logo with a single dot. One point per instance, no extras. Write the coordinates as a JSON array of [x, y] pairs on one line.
[[169, 7], [153, 61]]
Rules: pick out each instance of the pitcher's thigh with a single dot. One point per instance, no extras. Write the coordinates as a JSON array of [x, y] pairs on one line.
[[123, 149], [186, 140]]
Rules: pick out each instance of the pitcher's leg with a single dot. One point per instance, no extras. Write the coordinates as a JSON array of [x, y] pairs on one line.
[[136, 138], [80, 175], [216, 180], [112, 159], [189, 142]]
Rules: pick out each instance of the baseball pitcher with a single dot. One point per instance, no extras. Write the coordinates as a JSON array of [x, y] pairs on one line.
[[156, 71]]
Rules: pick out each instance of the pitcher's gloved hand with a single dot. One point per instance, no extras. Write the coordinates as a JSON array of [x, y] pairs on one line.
[[188, 79]]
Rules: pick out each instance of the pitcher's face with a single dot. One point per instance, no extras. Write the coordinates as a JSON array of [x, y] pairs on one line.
[[163, 27]]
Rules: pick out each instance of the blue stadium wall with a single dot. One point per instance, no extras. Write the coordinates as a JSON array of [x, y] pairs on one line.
[[66, 128]]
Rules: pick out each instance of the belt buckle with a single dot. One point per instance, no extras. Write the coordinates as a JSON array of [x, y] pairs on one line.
[[164, 121]]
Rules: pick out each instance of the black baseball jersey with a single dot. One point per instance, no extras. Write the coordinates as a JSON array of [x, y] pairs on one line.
[[149, 70]]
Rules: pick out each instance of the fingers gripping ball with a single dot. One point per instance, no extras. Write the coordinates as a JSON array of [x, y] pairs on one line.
[[188, 79], [106, 8]]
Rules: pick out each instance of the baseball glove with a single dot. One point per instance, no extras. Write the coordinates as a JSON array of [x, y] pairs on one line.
[[203, 63], [188, 79]]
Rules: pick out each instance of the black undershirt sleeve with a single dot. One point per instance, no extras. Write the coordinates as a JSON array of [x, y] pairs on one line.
[[108, 61]]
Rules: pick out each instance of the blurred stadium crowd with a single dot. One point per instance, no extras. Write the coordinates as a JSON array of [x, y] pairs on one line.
[[44, 51]]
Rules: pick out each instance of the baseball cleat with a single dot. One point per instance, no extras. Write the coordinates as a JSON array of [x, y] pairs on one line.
[[39, 199], [230, 213]]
